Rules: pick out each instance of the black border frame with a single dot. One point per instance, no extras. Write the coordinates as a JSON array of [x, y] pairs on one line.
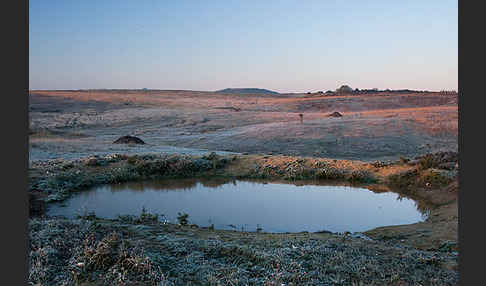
[[15, 120], [15, 21]]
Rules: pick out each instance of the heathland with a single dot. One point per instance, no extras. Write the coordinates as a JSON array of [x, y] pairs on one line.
[[405, 142]]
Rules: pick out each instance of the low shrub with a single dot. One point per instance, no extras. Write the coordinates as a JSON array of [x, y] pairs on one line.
[[330, 173], [146, 217], [428, 161], [402, 180], [403, 160], [132, 160], [434, 178], [95, 161], [363, 176], [182, 218]]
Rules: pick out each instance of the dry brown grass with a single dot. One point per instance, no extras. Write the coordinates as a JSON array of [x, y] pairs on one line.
[[206, 120]]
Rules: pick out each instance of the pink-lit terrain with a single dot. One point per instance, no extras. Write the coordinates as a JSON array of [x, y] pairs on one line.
[[68, 124]]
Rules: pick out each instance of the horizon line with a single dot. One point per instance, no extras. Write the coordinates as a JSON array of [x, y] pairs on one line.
[[294, 92]]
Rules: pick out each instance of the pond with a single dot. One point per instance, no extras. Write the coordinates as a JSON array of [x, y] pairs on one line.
[[248, 205]]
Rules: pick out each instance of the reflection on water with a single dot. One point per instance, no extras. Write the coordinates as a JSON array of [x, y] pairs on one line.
[[248, 205]]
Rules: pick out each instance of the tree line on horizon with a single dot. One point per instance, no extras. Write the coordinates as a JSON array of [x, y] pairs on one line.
[[346, 89]]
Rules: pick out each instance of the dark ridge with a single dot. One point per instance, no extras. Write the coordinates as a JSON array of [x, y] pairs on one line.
[[128, 140], [247, 91], [335, 114]]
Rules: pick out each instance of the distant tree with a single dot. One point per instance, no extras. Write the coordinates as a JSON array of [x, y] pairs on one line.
[[344, 89]]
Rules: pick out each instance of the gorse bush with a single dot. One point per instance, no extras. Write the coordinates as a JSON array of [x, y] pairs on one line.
[[330, 173], [146, 217], [132, 160], [362, 176], [182, 218], [299, 173], [403, 160], [436, 159], [434, 179], [428, 161], [403, 180]]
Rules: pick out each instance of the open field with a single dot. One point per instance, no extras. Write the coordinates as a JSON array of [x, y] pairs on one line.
[[374, 127], [375, 143]]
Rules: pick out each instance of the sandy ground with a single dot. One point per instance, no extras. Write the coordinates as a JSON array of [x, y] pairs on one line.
[[374, 127]]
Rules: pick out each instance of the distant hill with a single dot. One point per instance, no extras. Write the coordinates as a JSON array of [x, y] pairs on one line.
[[247, 91]]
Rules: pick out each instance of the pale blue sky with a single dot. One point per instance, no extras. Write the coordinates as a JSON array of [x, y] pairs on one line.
[[286, 46]]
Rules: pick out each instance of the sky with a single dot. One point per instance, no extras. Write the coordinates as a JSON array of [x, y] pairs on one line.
[[285, 46]]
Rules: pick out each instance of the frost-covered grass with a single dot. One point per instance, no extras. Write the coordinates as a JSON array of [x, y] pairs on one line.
[[66, 252], [152, 252]]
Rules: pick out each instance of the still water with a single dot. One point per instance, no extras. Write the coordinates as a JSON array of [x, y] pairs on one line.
[[248, 205]]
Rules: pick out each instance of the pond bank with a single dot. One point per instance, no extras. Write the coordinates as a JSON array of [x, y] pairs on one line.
[[426, 180]]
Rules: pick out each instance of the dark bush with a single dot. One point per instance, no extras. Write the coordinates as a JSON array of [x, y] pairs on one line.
[[402, 180], [428, 161], [182, 218], [362, 176], [330, 173]]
